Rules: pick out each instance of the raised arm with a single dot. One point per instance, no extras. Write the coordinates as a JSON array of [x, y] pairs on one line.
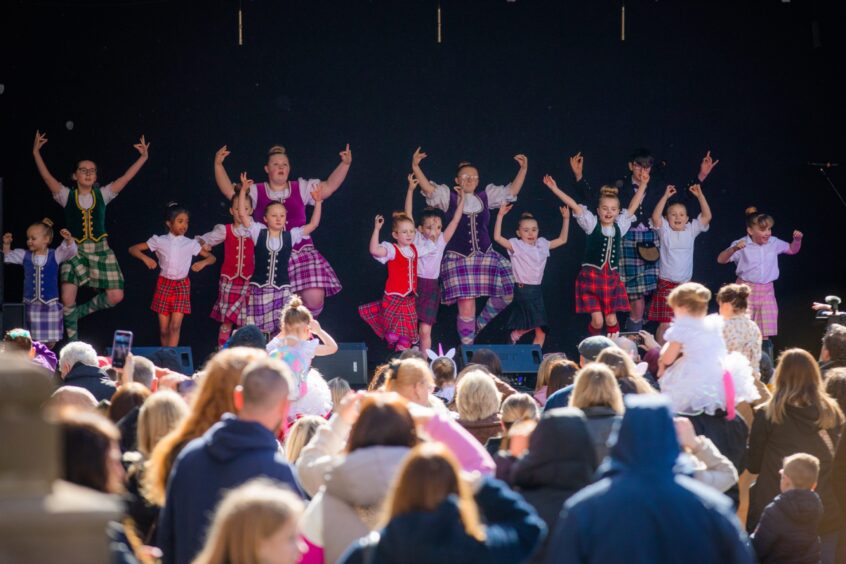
[[242, 216], [638, 197], [705, 215], [725, 256], [577, 165], [503, 209], [327, 344], [425, 185], [7, 243], [376, 249], [658, 212], [143, 148], [338, 175], [568, 201], [706, 167], [409, 195], [456, 217], [138, 252], [220, 175], [517, 183], [561, 240], [53, 184], [309, 228]]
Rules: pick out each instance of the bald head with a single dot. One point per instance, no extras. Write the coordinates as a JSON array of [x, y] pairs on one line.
[[264, 384]]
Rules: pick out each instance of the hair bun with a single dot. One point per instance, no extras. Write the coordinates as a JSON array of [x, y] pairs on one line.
[[751, 210], [609, 191], [743, 290], [47, 221], [295, 302], [526, 215], [172, 205], [277, 150], [462, 164]]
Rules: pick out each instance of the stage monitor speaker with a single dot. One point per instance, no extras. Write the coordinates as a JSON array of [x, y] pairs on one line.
[[349, 363], [515, 359], [14, 316], [178, 359]]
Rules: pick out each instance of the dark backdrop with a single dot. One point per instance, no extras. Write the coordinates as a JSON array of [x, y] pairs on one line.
[[753, 82]]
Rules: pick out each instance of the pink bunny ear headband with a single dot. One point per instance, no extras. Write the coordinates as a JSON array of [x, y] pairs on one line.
[[450, 355]]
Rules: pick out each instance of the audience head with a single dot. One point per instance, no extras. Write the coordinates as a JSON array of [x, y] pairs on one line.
[[383, 420], [18, 340], [596, 386], [444, 371], [412, 379], [339, 388], [143, 371], [126, 398], [590, 348], [624, 370], [477, 397], [428, 476], [413, 353], [563, 374], [377, 382], [91, 451], [519, 407], [296, 319], [834, 343], [247, 336], [689, 299], [835, 385], [733, 299], [800, 472], [300, 434], [646, 441], [262, 394], [255, 523], [72, 397], [798, 383], [488, 359], [76, 352], [161, 413], [546, 367]]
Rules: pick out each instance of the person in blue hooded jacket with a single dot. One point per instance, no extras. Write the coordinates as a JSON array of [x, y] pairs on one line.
[[233, 451], [644, 509]]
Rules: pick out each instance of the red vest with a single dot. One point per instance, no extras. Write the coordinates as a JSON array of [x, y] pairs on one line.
[[238, 256], [402, 274]]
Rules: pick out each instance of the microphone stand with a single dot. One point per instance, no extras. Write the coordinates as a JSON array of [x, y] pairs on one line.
[[833, 187]]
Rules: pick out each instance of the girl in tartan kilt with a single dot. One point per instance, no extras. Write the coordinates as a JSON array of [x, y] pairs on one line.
[[528, 254], [172, 298], [270, 289], [95, 264], [676, 236], [471, 267], [41, 278], [429, 264], [756, 259], [311, 275], [599, 290], [394, 318]]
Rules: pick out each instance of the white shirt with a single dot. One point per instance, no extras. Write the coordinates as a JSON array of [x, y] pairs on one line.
[[63, 252], [175, 254], [306, 188], [759, 263], [429, 256], [587, 221], [528, 261], [676, 247], [497, 195], [274, 243], [392, 252], [85, 200], [218, 234]]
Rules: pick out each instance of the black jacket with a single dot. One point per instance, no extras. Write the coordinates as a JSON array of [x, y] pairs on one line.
[[92, 379], [600, 422], [787, 531]]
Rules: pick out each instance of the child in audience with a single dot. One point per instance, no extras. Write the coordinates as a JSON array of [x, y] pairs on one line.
[[339, 388]]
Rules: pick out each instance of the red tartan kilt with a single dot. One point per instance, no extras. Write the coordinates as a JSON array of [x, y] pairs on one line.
[[394, 315], [172, 296], [659, 309], [600, 291]]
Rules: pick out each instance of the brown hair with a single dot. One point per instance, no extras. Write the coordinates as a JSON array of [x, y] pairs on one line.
[[563, 374], [735, 294], [802, 469], [399, 217], [623, 367], [213, 398], [378, 379], [126, 398], [87, 438], [834, 341], [47, 225], [19, 339], [692, 296], [489, 360], [545, 368], [463, 165], [525, 216], [798, 383], [295, 314], [756, 219], [596, 386], [444, 370], [427, 477], [384, 420]]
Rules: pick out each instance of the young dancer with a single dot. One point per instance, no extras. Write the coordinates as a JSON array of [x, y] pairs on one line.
[[599, 290], [429, 264], [270, 288], [238, 265], [310, 273], [471, 268], [528, 254], [172, 299], [756, 259], [297, 346], [695, 369], [41, 278], [676, 236], [95, 264]]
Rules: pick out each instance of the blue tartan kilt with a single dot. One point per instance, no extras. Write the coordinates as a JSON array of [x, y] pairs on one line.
[[639, 276]]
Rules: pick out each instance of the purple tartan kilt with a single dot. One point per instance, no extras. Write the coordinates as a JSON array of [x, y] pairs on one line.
[[394, 314], [428, 300], [307, 268], [264, 307], [481, 274], [231, 304], [600, 290], [45, 321]]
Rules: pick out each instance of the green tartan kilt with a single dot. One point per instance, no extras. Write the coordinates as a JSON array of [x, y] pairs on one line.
[[95, 265]]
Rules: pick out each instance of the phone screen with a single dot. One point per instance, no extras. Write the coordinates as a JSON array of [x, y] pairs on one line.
[[121, 346], [633, 336]]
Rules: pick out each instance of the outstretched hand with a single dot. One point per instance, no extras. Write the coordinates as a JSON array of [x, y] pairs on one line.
[[696, 190], [245, 182], [221, 155], [316, 194], [461, 193], [314, 326], [522, 160], [565, 212], [577, 164], [671, 190], [378, 221], [346, 155], [417, 157], [505, 208], [412, 182], [550, 182], [707, 165], [66, 235], [143, 147], [798, 234], [40, 141]]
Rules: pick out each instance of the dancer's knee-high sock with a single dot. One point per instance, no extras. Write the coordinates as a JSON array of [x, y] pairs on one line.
[[96, 303], [466, 330], [495, 305], [71, 325]]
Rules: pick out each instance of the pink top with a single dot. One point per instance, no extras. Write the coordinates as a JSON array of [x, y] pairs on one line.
[[470, 453], [759, 263], [528, 261]]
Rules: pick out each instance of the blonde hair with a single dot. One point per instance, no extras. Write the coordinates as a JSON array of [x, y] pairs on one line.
[[213, 398], [159, 415], [404, 374], [476, 396], [430, 474], [339, 388], [798, 383], [545, 368], [623, 368], [276, 150], [596, 386], [692, 296], [609, 193], [398, 217], [299, 435], [519, 407], [248, 515], [295, 314], [802, 469]]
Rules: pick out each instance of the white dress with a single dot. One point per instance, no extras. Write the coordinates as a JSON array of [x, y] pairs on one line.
[[694, 382], [311, 394]]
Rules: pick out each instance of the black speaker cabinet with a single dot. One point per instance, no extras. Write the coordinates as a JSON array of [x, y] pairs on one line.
[[349, 363], [13, 317]]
